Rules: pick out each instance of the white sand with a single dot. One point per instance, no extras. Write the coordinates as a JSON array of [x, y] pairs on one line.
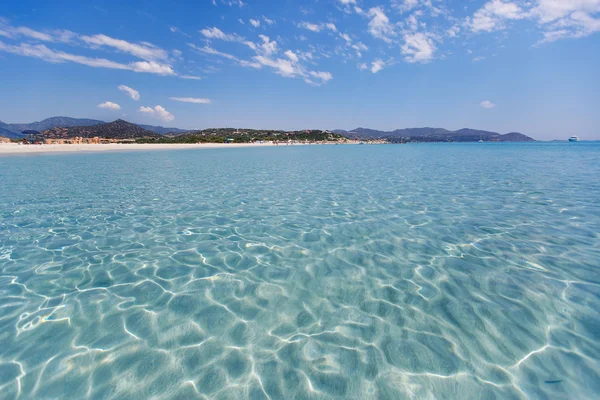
[[13, 148]]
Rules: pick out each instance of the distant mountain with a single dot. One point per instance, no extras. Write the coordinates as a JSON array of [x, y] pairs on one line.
[[118, 129], [161, 130], [54, 122], [67, 122], [9, 134], [433, 135]]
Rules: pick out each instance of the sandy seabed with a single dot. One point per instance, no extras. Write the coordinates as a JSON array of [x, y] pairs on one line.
[[13, 148]]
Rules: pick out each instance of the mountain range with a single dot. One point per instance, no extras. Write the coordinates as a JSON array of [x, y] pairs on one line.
[[122, 129], [433, 135], [15, 131]]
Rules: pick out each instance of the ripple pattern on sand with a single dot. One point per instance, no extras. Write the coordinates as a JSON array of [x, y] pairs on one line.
[[417, 271]]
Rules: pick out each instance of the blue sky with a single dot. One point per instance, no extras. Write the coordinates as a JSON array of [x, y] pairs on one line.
[[504, 65]]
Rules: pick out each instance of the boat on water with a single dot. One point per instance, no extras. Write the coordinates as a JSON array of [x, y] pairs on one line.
[[574, 139], [480, 140]]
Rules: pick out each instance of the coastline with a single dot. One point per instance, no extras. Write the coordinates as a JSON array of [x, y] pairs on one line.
[[13, 148]]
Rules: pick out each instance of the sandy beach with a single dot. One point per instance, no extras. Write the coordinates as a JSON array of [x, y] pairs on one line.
[[13, 148]]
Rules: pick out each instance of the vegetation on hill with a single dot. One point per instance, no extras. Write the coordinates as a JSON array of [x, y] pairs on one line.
[[220, 135], [118, 129]]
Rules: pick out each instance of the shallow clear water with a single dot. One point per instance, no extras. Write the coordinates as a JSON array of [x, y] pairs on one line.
[[408, 271]]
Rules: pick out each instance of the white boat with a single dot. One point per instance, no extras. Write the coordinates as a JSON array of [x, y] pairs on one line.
[[574, 139]]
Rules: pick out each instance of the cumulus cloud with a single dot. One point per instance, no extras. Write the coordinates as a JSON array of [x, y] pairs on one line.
[[418, 48], [152, 67], [216, 33], [318, 27], [567, 19], [377, 66], [558, 19], [291, 55], [493, 15], [109, 106], [134, 94], [191, 100], [255, 23], [379, 25], [487, 104], [362, 66], [268, 21], [158, 112]]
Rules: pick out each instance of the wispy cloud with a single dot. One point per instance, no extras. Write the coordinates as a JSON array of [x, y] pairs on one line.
[[487, 104], [134, 94], [145, 51], [191, 100]]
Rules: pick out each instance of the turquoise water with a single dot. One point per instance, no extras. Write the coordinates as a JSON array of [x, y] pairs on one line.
[[350, 272]]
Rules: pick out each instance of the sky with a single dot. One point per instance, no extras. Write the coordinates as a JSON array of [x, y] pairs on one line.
[[531, 66]]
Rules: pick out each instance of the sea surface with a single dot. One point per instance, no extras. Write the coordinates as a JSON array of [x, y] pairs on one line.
[[422, 271]]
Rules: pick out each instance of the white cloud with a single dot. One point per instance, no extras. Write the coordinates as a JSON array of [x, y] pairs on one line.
[[109, 106], [191, 100], [418, 47], [453, 31], [359, 48], [347, 5], [152, 68], [191, 77], [230, 3], [267, 46], [145, 51], [255, 23], [567, 19], [14, 32], [42, 52], [405, 5], [310, 26], [268, 21], [134, 94], [487, 104], [492, 16], [323, 76], [362, 66], [158, 112], [377, 66], [210, 50], [291, 55], [282, 67], [380, 26], [558, 19], [216, 33], [318, 27]]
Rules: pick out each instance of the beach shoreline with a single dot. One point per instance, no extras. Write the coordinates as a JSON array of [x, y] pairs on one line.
[[14, 148]]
